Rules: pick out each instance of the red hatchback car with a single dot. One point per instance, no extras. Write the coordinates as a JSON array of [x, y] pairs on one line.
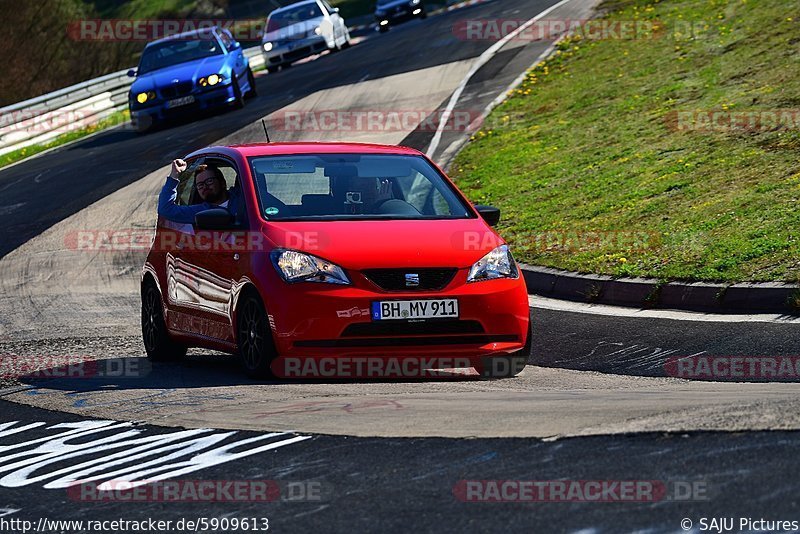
[[335, 251]]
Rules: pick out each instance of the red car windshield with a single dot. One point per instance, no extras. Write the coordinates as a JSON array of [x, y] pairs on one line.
[[353, 186]]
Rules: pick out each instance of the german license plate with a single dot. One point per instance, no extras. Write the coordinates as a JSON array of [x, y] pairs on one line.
[[182, 101], [414, 309]]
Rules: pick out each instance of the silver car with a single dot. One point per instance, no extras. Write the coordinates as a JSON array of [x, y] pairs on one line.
[[300, 30]]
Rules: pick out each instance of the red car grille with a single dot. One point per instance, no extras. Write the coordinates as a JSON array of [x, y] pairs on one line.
[[430, 279], [409, 334], [479, 339], [404, 328]]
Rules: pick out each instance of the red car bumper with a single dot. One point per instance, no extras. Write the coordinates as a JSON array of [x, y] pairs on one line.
[[320, 320]]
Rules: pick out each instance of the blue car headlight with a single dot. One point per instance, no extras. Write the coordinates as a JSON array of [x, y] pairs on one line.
[[211, 80], [144, 97]]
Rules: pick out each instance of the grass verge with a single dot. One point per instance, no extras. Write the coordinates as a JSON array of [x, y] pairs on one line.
[[602, 160]]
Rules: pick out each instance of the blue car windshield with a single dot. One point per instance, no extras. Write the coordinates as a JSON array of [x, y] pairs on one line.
[[174, 52], [353, 187]]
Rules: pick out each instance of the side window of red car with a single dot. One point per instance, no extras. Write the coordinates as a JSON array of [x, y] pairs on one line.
[[186, 189], [231, 174], [187, 193]]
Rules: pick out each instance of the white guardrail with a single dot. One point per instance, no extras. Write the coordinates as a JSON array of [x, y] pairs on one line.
[[44, 118]]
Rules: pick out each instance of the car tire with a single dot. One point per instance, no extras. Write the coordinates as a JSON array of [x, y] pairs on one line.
[[273, 70], [157, 343], [251, 81], [254, 338], [506, 365], [238, 102], [383, 29]]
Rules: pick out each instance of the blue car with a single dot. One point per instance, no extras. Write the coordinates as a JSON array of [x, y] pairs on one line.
[[184, 74]]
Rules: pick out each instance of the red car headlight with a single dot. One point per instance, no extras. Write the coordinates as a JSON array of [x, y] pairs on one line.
[[497, 264], [296, 266]]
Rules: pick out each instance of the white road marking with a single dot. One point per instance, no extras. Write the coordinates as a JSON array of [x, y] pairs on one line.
[[544, 303], [173, 454], [484, 58], [456, 145]]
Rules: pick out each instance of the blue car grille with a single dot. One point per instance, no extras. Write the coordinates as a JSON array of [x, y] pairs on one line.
[[175, 90]]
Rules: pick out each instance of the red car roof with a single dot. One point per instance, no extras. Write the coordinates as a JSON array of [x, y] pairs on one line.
[[274, 149]]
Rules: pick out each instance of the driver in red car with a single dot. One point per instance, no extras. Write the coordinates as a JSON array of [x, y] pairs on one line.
[[210, 185]]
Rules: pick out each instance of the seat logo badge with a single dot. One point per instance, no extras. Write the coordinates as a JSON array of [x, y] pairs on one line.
[[412, 279]]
